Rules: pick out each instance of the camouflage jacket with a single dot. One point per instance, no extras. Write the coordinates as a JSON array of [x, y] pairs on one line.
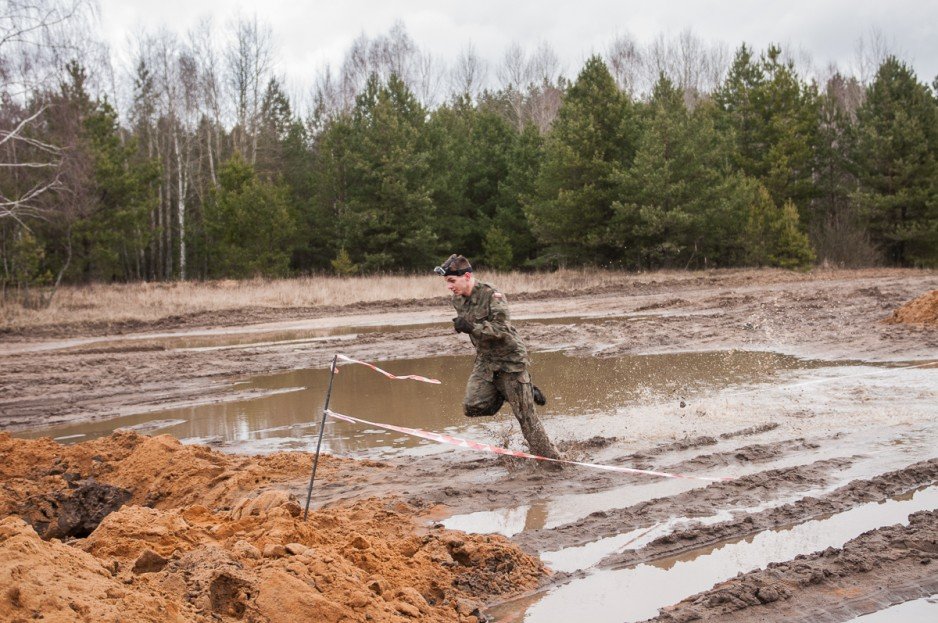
[[498, 345]]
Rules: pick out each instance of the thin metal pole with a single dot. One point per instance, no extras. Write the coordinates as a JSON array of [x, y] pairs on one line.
[[322, 427]]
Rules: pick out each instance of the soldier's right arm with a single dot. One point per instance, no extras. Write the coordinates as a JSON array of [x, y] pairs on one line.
[[494, 325]]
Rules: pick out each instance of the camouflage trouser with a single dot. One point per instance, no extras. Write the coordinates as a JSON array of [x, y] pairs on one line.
[[487, 392]]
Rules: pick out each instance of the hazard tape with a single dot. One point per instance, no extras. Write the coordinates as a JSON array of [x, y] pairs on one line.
[[409, 377], [484, 447]]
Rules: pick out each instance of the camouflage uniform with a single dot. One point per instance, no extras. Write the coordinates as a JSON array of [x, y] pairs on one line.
[[501, 367]]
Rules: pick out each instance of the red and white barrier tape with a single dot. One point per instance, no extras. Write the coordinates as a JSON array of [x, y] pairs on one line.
[[409, 377], [484, 447]]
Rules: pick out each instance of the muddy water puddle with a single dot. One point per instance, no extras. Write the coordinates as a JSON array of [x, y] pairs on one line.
[[282, 411], [636, 593], [924, 610], [871, 452]]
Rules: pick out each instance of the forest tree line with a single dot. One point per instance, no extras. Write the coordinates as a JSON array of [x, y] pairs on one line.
[[674, 155]]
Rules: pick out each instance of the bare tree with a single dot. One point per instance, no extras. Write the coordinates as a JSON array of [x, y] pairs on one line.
[[249, 57], [513, 76], [624, 57], [37, 38], [428, 80], [544, 94], [531, 84], [693, 65], [21, 152], [469, 73], [204, 52], [870, 52], [393, 53]]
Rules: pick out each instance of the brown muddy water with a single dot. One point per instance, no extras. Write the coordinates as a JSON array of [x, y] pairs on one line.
[[282, 411], [638, 592]]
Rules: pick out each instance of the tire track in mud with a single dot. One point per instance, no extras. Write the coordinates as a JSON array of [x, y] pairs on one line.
[[742, 492], [856, 492], [877, 569]]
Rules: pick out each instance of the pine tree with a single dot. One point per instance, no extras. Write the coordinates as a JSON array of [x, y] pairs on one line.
[[387, 217], [518, 191], [772, 235], [773, 116], [469, 165], [838, 231], [897, 157], [591, 142], [249, 225], [116, 231], [672, 187], [496, 249]]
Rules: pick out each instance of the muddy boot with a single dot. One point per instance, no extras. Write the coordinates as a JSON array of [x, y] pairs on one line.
[[539, 398]]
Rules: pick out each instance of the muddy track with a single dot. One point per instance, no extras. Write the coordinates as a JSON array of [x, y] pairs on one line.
[[460, 488], [754, 453], [815, 315], [742, 492], [695, 442], [857, 492], [877, 569]]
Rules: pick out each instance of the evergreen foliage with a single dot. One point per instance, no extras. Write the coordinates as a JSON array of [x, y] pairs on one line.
[[249, 224], [767, 169], [590, 144], [897, 156], [386, 217]]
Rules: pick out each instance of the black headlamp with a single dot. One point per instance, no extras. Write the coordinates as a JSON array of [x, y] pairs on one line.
[[446, 271]]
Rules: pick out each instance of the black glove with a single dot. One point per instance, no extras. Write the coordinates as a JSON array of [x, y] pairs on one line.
[[462, 325]]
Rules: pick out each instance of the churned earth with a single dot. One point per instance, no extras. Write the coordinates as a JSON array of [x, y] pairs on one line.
[[827, 511]]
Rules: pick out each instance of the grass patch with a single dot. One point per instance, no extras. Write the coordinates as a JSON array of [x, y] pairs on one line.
[[147, 302]]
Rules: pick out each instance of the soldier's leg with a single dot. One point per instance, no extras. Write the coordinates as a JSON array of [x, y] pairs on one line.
[[482, 397], [516, 387]]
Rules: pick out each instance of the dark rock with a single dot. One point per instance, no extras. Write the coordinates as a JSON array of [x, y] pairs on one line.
[[149, 562], [75, 513], [767, 594]]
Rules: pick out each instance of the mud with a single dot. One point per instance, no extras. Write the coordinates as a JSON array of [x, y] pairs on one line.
[[743, 492], [150, 529], [878, 568], [857, 492], [813, 315]]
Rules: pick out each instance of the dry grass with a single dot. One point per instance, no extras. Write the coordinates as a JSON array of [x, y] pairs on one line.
[[148, 302]]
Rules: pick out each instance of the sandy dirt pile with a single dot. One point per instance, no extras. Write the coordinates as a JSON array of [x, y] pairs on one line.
[[923, 310], [45, 482], [239, 556]]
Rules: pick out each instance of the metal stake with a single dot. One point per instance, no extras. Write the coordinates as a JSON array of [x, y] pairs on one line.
[[322, 427]]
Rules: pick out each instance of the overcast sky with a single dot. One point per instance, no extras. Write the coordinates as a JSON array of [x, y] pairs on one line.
[[310, 34]]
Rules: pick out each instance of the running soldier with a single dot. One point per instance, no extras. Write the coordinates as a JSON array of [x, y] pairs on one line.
[[500, 372]]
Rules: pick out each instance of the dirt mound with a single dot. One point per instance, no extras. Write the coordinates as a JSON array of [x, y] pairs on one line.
[[59, 583], [205, 536], [361, 562], [159, 472], [923, 310]]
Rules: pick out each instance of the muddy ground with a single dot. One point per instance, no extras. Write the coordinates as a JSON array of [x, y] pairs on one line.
[[379, 545]]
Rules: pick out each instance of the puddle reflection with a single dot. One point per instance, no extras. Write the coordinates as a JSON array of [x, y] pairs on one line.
[[291, 404], [636, 593], [924, 610]]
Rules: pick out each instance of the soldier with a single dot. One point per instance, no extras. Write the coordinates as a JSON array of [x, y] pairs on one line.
[[500, 372]]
